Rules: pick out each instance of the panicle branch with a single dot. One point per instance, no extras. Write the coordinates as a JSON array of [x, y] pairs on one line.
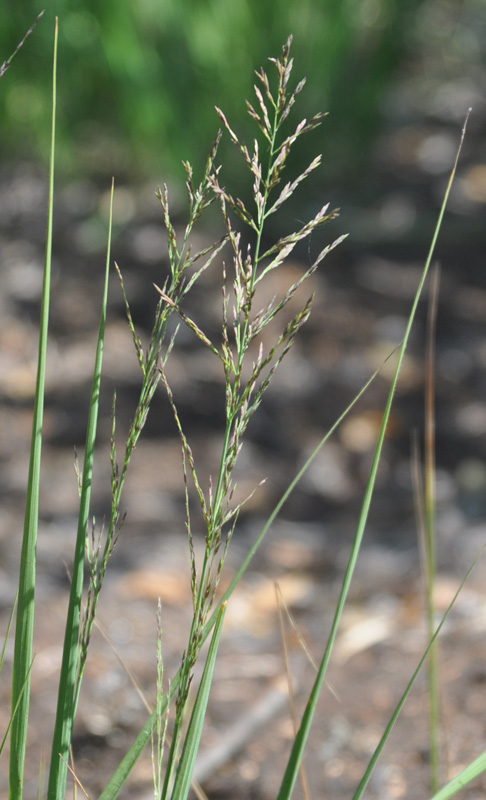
[[249, 360]]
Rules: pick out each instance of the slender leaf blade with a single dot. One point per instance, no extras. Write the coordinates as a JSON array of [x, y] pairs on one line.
[[7, 632], [466, 775], [364, 780], [12, 714], [67, 699], [24, 630], [295, 758], [185, 768]]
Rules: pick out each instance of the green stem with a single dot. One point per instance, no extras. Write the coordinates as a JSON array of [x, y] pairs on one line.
[[24, 630], [69, 682], [430, 546], [219, 494]]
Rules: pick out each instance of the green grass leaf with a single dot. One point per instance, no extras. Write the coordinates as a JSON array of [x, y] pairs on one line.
[[468, 774], [9, 625], [2, 656], [293, 765], [24, 630], [70, 678], [364, 780], [185, 768]]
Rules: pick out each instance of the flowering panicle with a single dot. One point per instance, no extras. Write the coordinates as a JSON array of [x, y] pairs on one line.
[[249, 360]]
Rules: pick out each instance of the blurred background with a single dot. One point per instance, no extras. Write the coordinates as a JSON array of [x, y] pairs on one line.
[[137, 86], [138, 81]]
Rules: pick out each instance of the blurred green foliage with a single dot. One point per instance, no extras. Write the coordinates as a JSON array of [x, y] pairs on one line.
[[138, 81]]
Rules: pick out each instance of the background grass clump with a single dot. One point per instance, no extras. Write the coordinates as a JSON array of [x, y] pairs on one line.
[[164, 66]]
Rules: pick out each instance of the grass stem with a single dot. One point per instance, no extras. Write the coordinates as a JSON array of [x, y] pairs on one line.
[[24, 629]]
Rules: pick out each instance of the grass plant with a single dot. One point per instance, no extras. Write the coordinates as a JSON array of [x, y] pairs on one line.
[[248, 361]]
